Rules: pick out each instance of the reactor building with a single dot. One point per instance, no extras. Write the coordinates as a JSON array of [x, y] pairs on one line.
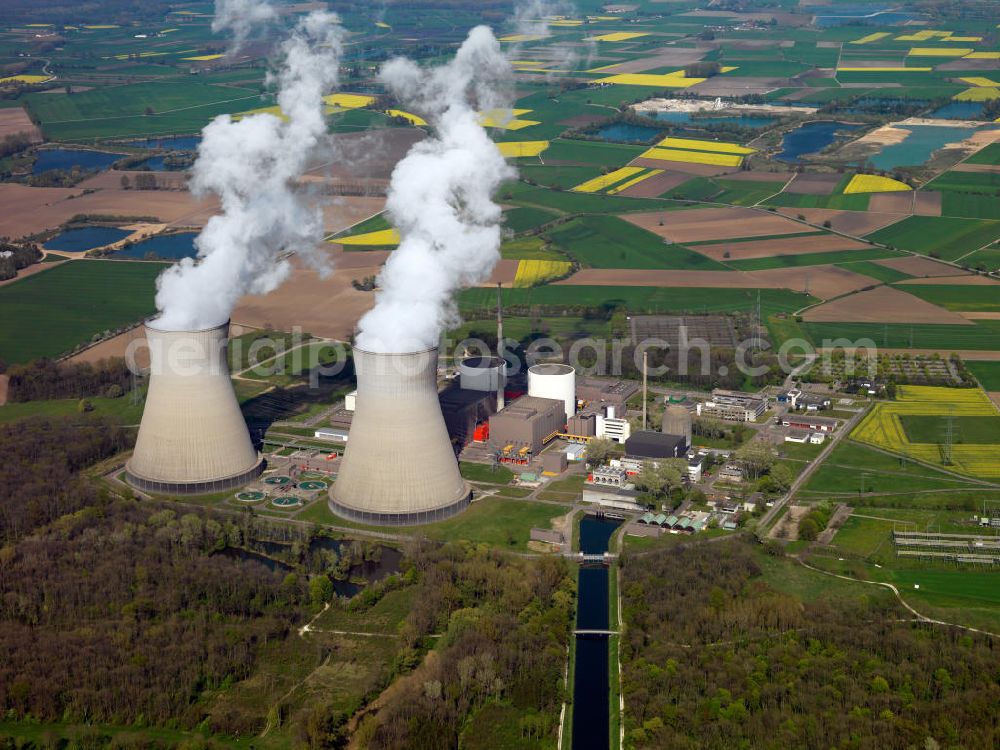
[[399, 467], [192, 438]]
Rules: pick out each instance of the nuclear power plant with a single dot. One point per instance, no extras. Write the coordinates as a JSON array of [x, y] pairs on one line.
[[399, 467], [192, 438]]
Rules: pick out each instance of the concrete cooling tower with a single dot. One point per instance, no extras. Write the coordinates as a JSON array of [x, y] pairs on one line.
[[399, 467], [677, 421], [192, 438]]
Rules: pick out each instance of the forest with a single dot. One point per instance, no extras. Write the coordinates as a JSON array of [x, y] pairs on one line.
[[714, 657], [47, 379]]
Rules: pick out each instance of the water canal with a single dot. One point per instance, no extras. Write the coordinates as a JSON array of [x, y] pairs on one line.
[[591, 677]]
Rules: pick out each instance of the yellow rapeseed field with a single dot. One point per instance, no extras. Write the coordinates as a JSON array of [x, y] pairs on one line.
[[202, 58], [693, 157], [26, 78], [872, 37], [882, 427], [692, 144], [618, 36], [884, 70], [870, 183], [349, 101], [983, 56], [629, 183], [665, 80], [515, 149], [382, 25], [607, 180], [979, 81], [535, 272], [381, 237], [978, 94], [414, 119], [520, 38], [940, 51]]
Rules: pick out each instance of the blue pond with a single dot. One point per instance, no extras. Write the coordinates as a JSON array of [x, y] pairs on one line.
[[172, 143], [959, 111], [85, 238], [171, 246], [917, 147], [623, 132], [745, 121], [810, 138], [67, 159]]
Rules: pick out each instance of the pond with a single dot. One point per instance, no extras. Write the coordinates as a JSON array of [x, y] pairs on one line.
[[959, 111], [743, 121], [916, 149], [591, 704], [811, 138], [85, 238], [623, 132], [68, 159], [167, 246], [172, 143]]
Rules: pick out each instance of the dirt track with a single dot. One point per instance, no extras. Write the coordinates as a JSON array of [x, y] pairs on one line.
[[702, 224], [883, 305]]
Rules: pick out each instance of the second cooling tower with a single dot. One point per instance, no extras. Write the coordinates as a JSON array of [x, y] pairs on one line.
[[399, 467]]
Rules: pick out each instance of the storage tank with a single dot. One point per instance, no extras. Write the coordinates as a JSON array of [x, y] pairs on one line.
[[192, 438], [487, 374], [399, 467], [554, 381], [677, 421]]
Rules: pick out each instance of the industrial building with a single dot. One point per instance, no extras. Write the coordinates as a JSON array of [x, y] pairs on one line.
[[650, 444], [527, 424], [609, 476], [192, 438], [731, 409], [484, 374], [809, 422], [599, 422], [466, 413], [554, 381], [606, 392], [399, 467]]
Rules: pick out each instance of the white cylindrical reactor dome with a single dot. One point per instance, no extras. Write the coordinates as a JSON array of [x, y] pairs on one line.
[[399, 467], [556, 381], [192, 438], [486, 374]]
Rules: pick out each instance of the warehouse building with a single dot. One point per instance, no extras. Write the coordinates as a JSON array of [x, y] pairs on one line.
[[525, 426], [808, 422], [648, 445]]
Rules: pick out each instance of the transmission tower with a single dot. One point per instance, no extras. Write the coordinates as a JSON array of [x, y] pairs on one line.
[[949, 439]]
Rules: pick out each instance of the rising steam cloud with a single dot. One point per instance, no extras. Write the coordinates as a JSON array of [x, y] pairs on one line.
[[241, 17], [441, 196], [532, 20], [251, 164]]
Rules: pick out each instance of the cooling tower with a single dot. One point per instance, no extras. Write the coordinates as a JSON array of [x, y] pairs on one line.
[[677, 421], [192, 438], [482, 374], [554, 381], [399, 467]]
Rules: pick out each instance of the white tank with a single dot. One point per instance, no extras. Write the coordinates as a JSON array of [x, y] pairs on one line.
[[554, 381], [399, 467], [192, 438], [485, 374]]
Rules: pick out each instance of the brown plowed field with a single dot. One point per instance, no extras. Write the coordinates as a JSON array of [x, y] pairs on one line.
[[857, 223], [980, 315], [892, 203], [813, 184], [927, 203], [970, 279], [653, 187], [692, 170], [823, 281], [731, 86], [966, 167], [883, 305], [761, 176], [702, 224], [786, 246], [15, 120], [679, 57], [920, 266]]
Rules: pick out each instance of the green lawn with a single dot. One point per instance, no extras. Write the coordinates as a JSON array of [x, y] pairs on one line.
[[984, 298], [529, 248], [119, 409], [987, 373], [852, 202], [719, 190], [610, 242], [486, 474], [938, 236], [53, 311], [923, 428]]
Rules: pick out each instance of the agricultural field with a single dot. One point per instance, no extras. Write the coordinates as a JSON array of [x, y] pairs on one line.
[[939, 237]]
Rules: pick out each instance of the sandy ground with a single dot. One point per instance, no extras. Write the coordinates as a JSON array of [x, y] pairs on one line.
[[788, 246], [823, 281], [857, 223], [883, 136], [653, 187], [20, 203], [892, 203], [118, 346], [956, 280], [883, 305], [503, 273], [672, 57], [927, 203], [713, 224], [916, 265], [15, 120], [813, 184]]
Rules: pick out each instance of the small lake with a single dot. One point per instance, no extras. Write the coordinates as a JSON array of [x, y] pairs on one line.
[[68, 159], [811, 138], [169, 247], [623, 132], [959, 111], [918, 147], [743, 121], [171, 143], [85, 238]]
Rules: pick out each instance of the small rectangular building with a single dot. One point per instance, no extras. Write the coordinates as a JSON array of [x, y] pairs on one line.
[[809, 422], [609, 476], [554, 462], [333, 434], [797, 436], [526, 425], [613, 428], [582, 425], [647, 444], [464, 411], [696, 462]]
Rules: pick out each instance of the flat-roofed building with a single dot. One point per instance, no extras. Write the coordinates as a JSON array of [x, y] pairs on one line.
[[527, 424]]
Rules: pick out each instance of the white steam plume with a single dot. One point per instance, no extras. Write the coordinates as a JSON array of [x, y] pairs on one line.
[[532, 19], [441, 196], [241, 17], [251, 164]]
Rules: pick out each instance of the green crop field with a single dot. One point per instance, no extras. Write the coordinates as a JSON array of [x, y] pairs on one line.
[[985, 298], [557, 176], [811, 259], [987, 373], [53, 311], [522, 219], [981, 335], [983, 183], [610, 242], [718, 190], [583, 203], [922, 428], [853, 202], [988, 155], [941, 237], [591, 152], [970, 205], [876, 271]]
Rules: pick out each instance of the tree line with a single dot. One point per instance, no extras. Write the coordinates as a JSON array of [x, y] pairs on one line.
[[15, 257], [43, 379]]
